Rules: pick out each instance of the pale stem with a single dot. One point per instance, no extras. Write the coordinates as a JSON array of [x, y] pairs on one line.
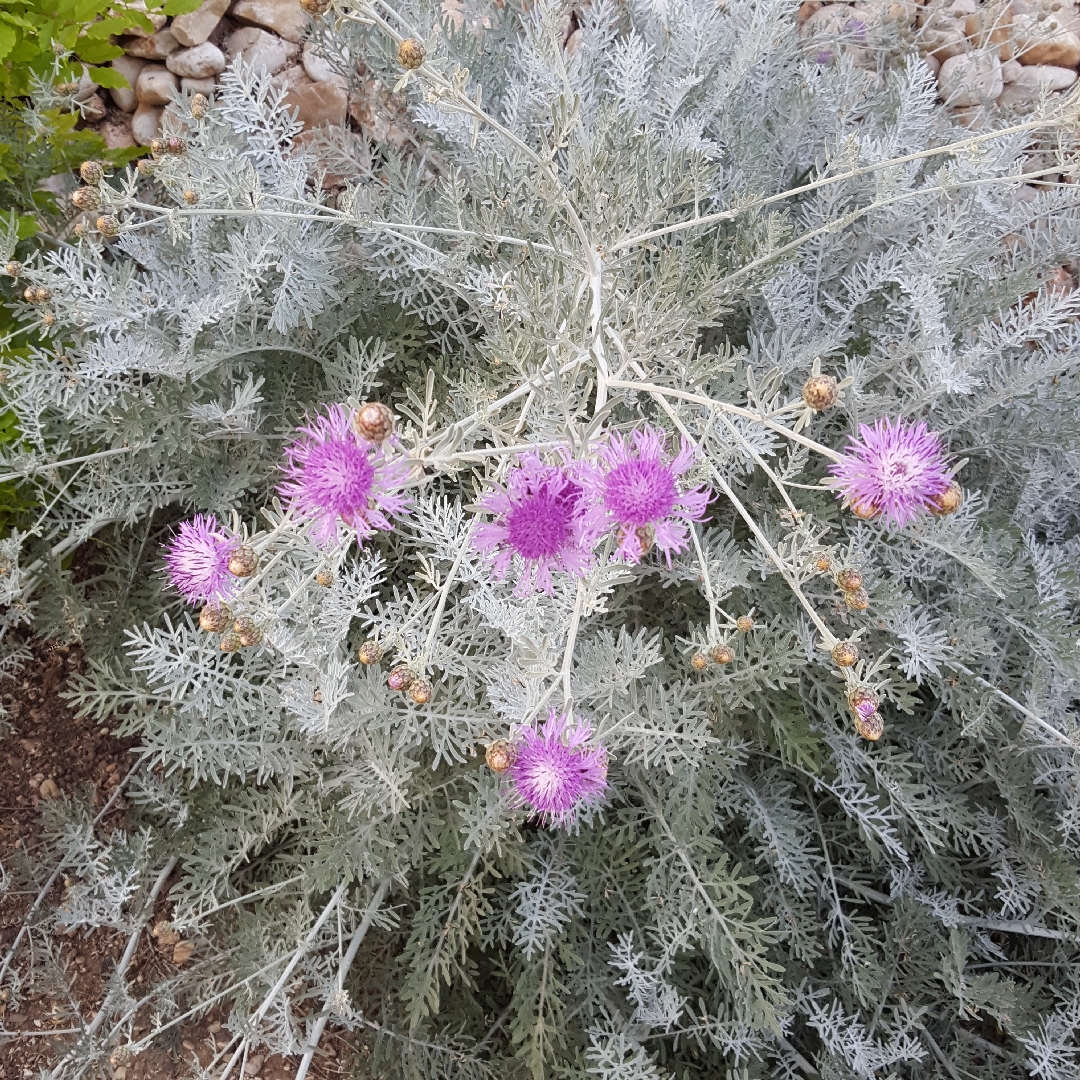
[[714, 630], [761, 461], [23, 473], [343, 969], [444, 592], [193, 919], [571, 638]]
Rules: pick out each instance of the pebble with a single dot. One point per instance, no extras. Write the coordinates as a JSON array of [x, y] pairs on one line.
[[285, 17], [155, 85], [318, 67], [253, 1065], [970, 79], [206, 87], [157, 20], [260, 49], [201, 62], [196, 26], [156, 47], [48, 789], [1051, 40], [318, 103], [124, 97], [146, 123], [117, 134], [187, 1044]]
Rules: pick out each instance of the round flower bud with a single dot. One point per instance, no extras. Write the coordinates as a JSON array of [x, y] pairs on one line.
[[82, 230], [91, 172], [820, 392], [157, 147], [699, 661], [86, 198], [410, 54], [744, 624], [108, 225], [857, 599], [420, 692], [865, 511], [48, 319], [863, 701], [400, 678], [948, 502], [849, 580], [13, 269], [317, 697], [243, 562], [373, 421], [175, 145], [315, 7], [200, 106], [500, 755], [324, 578], [190, 196], [145, 166], [823, 563], [230, 642], [370, 653], [722, 654], [845, 654], [215, 618], [869, 727], [42, 295], [646, 536], [246, 630], [30, 294]]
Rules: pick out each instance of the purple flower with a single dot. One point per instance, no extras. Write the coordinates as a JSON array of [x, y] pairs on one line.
[[640, 491], [824, 56], [554, 770], [334, 476], [197, 561], [544, 517], [896, 469]]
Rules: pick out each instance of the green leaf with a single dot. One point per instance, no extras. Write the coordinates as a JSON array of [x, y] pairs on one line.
[[180, 7], [97, 52], [109, 77], [28, 227], [8, 37]]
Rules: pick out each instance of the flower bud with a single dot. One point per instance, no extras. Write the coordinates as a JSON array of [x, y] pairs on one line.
[[869, 727], [865, 511], [315, 7], [823, 563], [215, 618], [200, 106], [145, 166], [722, 654], [410, 54], [108, 225], [82, 230], [849, 580], [373, 421], [400, 678], [91, 172], [13, 269], [190, 196], [243, 562], [230, 642], [857, 599], [845, 654], [370, 653], [820, 392], [86, 198], [42, 295], [948, 502], [744, 624], [246, 630], [420, 692], [699, 661], [863, 701], [157, 147], [48, 320], [175, 145], [500, 755], [324, 578]]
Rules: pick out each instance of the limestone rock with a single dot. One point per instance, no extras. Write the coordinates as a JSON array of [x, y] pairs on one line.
[[991, 25], [1035, 82], [197, 26], [157, 20], [128, 66], [206, 87], [942, 31], [146, 123], [285, 17], [261, 49], [117, 133], [318, 67], [970, 79], [201, 62], [1010, 71], [318, 104], [155, 47], [92, 109], [155, 85], [1052, 38], [294, 76]]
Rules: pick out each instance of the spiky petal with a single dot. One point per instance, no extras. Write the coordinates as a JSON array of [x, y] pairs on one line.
[[554, 769], [336, 478], [197, 561], [640, 490], [893, 468], [544, 518]]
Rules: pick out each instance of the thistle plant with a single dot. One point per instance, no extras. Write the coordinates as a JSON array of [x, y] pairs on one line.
[[655, 494]]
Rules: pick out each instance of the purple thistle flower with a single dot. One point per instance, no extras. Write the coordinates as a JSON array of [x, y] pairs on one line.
[[554, 770], [197, 561], [333, 476], [544, 517], [896, 469], [640, 491]]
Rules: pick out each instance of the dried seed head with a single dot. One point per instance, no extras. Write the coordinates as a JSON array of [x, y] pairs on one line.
[[722, 654], [820, 392], [42, 295], [863, 701], [420, 692], [246, 630], [370, 653], [13, 269], [215, 618], [500, 755], [410, 54], [230, 642], [91, 172], [315, 7], [400, 678], [48, 319], [200, 106], [845, 654], [857, 599], [870, 727], [744, 624], [108, 225], [175, 145], [948, 502], [823, 563], [86, 198], [324, 578], [699, 661], [849, 580], [190, 196], [373, 421], [243, 562]]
